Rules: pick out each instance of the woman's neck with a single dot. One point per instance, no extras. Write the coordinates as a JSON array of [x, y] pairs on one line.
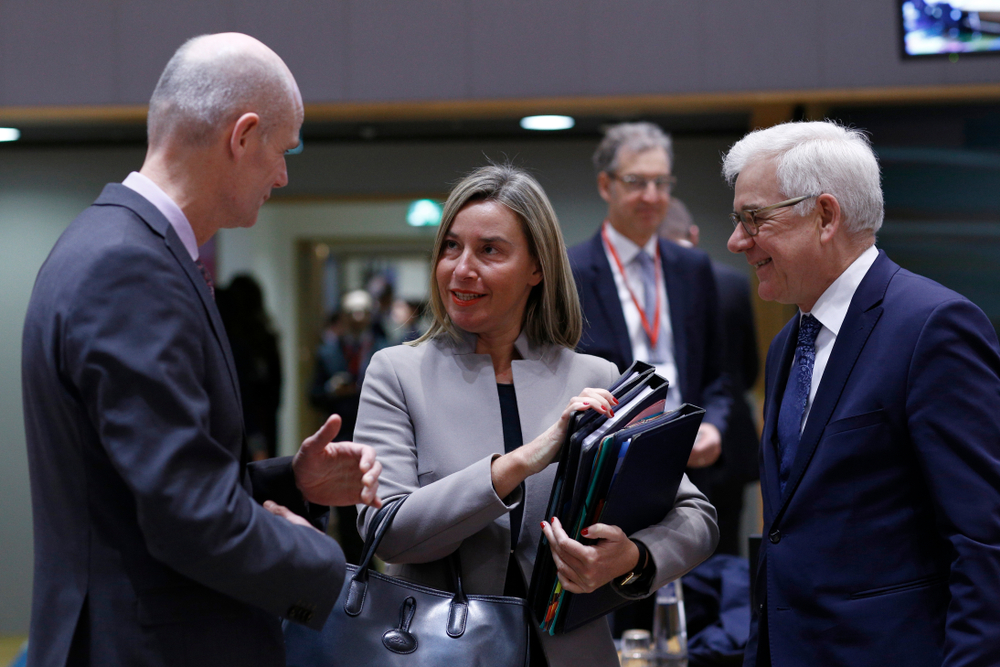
[[502, 352]]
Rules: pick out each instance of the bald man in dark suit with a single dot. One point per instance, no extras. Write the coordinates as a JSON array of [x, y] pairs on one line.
[[151, 543]]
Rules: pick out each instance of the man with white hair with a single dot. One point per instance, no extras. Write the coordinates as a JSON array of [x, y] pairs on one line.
[[880, 454], [151, 547]]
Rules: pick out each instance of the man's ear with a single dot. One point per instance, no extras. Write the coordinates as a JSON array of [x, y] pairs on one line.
[[830, 220], [244, 128], [603, 185]]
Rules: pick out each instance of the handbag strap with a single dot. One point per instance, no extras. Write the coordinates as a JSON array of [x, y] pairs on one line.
[[459, 611], [458, 614], [376, 531]]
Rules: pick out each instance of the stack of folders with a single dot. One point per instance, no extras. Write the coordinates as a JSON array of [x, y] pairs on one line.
[[623, 471]]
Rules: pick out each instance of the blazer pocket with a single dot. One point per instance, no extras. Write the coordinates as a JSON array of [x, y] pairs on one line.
[[425, 478], [925, 582], [855, 422]]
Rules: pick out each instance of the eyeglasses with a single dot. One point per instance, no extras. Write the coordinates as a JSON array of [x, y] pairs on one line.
[[636, 183], [749, 217]]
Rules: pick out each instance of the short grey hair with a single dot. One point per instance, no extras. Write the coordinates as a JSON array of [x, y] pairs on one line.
[[196, 95], [552, 315], [814, 158], [635, 137]]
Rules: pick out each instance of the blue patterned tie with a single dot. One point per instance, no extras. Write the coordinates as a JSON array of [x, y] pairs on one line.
[[648, 282], [793, 403], [648, 267]]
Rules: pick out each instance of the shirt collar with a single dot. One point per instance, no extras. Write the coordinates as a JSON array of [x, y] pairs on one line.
[[167, 206], [831, 307], [626, 247]]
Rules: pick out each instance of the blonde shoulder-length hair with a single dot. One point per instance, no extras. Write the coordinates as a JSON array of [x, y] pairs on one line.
[[552, 315]]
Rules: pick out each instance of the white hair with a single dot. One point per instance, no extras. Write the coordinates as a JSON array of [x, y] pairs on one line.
[[813, 158], [199, 93]]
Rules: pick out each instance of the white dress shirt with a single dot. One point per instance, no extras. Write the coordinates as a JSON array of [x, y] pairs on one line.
[[831, 309], [167, 206], [627, 252]]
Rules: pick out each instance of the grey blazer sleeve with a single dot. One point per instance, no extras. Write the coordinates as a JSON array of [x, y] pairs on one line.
[[437, 517], [686, 536]]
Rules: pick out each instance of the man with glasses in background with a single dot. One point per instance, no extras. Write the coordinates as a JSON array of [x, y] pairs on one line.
[[880, 453], [645, 298]]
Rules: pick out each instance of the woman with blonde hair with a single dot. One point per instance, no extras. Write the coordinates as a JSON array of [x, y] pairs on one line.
[[468, 419]]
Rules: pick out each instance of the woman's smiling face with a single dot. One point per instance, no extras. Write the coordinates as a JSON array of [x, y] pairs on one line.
[[486, 271]]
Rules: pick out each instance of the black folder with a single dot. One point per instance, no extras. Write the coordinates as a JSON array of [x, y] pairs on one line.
[[626, 476]]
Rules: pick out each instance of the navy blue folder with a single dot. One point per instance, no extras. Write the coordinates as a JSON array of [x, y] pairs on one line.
[[627, 477]]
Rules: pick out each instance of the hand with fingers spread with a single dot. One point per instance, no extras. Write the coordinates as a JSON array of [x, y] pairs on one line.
[[585, 568], [511, 469], [336, 473]]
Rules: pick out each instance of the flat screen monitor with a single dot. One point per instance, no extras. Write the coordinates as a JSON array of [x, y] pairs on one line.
[[950, 27]]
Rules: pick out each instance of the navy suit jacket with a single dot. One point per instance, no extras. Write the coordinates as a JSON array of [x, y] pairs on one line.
[[885, 548], [694, 317], [149, 546]]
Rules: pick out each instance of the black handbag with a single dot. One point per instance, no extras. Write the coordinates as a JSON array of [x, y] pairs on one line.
[[381, 620]]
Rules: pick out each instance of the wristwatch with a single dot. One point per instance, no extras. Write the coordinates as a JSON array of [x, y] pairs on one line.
[[643, 571]]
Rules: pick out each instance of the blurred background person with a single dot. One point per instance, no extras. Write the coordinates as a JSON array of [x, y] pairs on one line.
[[348, 343], [258, 363], [467, 420], [405, 322], [646, 299], [726, 480]]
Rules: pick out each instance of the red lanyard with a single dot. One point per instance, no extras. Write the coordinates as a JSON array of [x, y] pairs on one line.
[[652, 331]]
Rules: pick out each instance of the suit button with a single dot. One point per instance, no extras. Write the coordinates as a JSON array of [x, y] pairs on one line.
[[774, 536], [760, 608]]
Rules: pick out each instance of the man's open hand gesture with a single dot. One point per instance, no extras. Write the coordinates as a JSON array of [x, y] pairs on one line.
[[336, 473]]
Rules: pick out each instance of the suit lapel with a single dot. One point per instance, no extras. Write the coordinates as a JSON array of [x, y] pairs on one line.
[[180, 253], [606, 290], [862, 316], [120, 195], [778, 374], [677, 295]]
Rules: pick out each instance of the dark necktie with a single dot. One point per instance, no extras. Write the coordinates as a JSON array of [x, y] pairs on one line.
[[793, 403], [206, 275]]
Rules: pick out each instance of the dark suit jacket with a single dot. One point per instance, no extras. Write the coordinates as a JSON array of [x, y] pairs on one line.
[[741, 365], [694, 317], [886, 546], [149, 547]]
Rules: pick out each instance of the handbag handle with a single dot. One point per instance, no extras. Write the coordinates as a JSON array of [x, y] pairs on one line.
[[459, 610]]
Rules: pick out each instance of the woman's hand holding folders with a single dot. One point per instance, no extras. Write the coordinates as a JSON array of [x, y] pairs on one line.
[[583, 568], [511, 469]]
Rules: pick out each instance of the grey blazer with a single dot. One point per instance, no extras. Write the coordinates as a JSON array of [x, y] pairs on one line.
[[432, 412]]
